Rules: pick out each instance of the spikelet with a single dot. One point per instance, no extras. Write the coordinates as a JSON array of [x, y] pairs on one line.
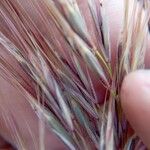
[[67, 66]]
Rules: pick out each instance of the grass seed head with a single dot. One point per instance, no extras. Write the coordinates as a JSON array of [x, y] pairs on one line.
[[64, 66]]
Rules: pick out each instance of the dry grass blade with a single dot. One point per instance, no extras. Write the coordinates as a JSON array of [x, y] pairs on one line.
[[63, 105], [75, 19], [80, 72], [77, 97], [83, 120], [110, 126], [53, 122], [75, 41], [10, 123], [105, 32], [97, 17]]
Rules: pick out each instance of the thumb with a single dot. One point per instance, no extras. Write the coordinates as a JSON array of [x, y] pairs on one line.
[[135, 97]]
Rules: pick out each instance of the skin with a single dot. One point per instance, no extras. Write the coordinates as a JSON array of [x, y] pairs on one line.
[[136, 105]]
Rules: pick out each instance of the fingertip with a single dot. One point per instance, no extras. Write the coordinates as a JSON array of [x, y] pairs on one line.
[[135, 100]]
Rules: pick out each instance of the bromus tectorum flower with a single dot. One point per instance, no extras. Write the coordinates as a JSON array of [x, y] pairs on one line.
[[62, 66]]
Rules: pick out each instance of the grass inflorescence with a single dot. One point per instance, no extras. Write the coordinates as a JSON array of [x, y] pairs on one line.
[[65, 67]]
